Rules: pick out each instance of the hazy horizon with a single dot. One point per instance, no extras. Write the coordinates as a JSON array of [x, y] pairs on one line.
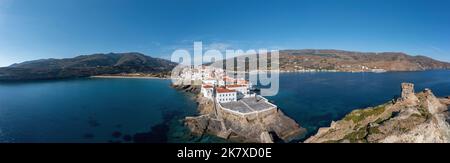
[[41, 29]]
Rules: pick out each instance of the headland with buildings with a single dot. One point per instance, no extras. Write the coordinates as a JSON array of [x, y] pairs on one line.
[[230, 108]]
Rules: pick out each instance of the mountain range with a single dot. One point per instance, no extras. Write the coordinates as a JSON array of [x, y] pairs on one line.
[[342, 61], [86, 65], [356, 61], [290, 60]]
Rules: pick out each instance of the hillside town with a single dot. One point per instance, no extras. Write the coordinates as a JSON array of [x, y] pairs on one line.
[[235, 95]]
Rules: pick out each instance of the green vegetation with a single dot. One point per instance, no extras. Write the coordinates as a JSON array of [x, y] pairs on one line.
[[359, 115], [424, 112], [358, 136], [379, 121], [385, 118], [402, 128], [374, 130], [417, 115]]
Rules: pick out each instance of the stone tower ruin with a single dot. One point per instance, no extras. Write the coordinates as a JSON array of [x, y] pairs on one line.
[[408, 92]]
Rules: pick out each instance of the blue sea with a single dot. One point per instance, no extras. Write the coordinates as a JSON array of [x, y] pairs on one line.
[[92, 111], [149, 110], [314, 100]]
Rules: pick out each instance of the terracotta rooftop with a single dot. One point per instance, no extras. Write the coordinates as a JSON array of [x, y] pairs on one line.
[[207, 86], [224, 90], [235, 85], [243, 81], [228, 79]]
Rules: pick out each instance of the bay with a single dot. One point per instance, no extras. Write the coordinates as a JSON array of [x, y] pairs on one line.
[[149, 110]]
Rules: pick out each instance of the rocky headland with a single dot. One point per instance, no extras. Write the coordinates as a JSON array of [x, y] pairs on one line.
[[412, 118], [267, 127]]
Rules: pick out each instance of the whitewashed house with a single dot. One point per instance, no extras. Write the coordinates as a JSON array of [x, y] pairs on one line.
[[221, 83], [224, 95], [207, 91], [241, 90], [210, 82]]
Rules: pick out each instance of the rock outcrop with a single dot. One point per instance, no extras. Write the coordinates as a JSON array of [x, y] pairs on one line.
[[267, 127], [413, 118], [264, 127], [194, 89]]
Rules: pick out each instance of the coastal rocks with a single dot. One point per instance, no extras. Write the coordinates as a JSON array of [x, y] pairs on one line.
[[264, 127], [273, 122], [204, 124], [266, 137], [413, 118], [446, 100], [206, 106], [195, 89]]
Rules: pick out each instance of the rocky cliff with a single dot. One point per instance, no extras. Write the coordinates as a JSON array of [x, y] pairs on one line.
[[413, 118], [266, 127]]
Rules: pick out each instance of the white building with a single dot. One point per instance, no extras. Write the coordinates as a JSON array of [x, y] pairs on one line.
[[243, 82], [224, 95], [221, 83], [241, 90], [210, 82], [206, 73], [207, 91], [229, 81]]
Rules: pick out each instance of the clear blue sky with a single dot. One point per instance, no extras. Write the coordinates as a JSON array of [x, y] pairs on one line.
[[34, 29]]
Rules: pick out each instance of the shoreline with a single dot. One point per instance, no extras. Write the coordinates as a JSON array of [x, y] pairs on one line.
[[339, 71], [126, 77]]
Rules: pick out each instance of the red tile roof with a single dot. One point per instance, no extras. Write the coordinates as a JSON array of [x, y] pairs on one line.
[[243, 81], [235, 85], [207, 86], [228, 79], [224, 90]]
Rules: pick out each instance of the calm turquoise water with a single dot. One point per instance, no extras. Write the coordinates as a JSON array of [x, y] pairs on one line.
[[315, 99], [91, 110], [113, 110]]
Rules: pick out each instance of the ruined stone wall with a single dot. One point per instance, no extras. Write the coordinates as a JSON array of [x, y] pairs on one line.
[[248, 117]]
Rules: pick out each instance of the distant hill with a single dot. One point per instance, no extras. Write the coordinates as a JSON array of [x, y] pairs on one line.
[[356, 61], [348, 61], [86, 65], [290, 60]]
